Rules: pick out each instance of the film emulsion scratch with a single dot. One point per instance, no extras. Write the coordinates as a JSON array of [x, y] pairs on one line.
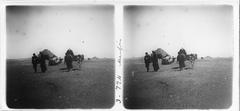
[[60, 56], [178, 57]]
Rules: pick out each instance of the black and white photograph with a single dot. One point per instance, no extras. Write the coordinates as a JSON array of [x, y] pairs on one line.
[[178, 56], [60, 56]]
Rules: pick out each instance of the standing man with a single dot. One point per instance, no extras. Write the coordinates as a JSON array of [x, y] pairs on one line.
[[181, 59], [34, 62], [182, 51], [155, 61], [68, 60], [42, 59], [69, 51], [147, 60]]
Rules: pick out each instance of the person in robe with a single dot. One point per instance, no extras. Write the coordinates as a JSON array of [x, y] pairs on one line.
[[34, 62], [155, 61], [42, 60], [147, 60]]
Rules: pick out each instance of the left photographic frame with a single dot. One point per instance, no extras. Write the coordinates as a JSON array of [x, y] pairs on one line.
[[60, 56]]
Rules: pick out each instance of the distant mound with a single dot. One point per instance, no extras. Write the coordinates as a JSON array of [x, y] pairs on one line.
[[208, 58], [95, 58]]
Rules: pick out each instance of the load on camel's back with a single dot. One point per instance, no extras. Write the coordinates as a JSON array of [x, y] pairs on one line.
[[79, 58], [52, 58], [164, 56], [183, 56]]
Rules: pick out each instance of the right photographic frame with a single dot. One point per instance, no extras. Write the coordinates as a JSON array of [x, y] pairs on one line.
[[178, 56]]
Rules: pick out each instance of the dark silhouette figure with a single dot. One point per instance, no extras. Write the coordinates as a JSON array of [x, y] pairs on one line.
[[68, 60], [155, 61], [34, 62], [182, 51], [147, 60], [69, 51], [42, 60], [181, 60]]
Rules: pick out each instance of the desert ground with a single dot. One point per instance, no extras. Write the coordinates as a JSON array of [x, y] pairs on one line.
[[207, 86], [92, 86]]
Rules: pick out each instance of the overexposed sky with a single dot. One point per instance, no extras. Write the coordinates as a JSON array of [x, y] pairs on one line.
[[205, 30], [87, 30]]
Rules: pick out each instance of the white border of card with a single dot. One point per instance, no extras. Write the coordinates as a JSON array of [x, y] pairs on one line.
[[119, 42]]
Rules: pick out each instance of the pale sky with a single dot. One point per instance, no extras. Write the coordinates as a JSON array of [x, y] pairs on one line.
[[87, 30], [205, 30]]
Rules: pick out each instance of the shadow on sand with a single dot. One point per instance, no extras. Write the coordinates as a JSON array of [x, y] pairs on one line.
[[185, 68], [63, 68], [175, 68], [66, 70]]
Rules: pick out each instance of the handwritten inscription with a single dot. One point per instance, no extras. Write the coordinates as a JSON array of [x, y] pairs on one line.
[[119, 47], [118, 80]]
